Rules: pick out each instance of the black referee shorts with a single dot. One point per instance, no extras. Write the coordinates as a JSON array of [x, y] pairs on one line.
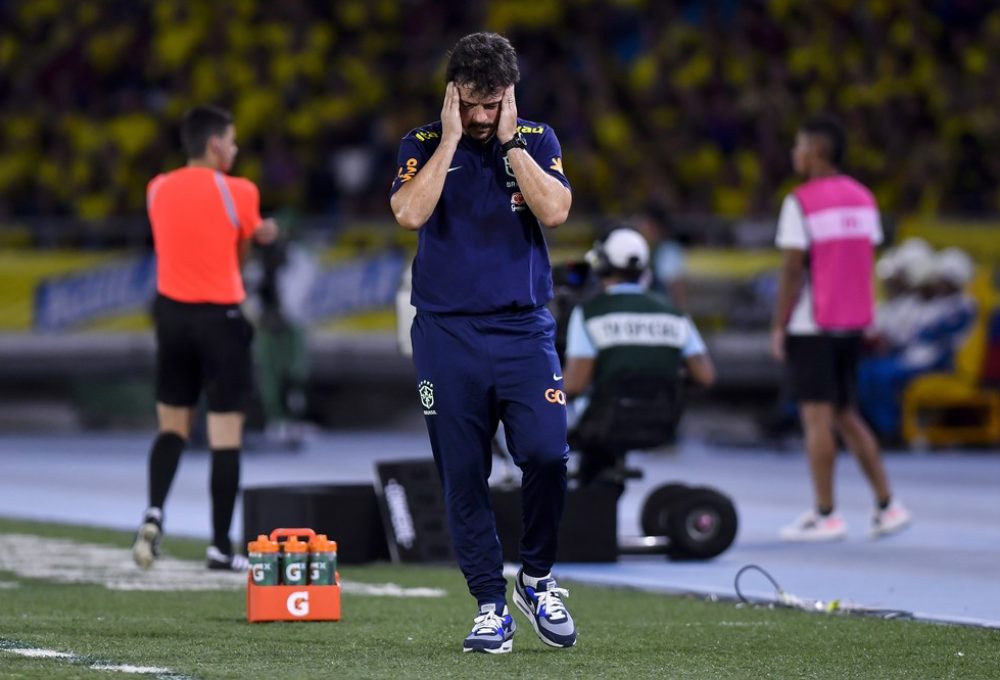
[[202, 346], [824, 368]]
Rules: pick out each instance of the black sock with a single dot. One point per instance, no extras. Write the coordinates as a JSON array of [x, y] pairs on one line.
[[825, 511], [884, 503], [163, 459], [225, 483]]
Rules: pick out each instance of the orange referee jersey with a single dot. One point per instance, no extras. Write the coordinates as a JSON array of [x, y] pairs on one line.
[[198, 217]]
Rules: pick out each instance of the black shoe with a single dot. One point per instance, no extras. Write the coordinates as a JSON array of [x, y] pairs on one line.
[[218, 560]]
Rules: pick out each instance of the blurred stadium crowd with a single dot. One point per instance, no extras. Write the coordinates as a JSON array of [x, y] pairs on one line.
[[693, 104]]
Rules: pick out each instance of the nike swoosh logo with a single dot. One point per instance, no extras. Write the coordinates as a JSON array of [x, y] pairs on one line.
[[457, 167], [556, 377]]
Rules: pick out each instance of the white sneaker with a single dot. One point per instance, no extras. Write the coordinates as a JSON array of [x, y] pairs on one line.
[[812, 526], [892, 520]]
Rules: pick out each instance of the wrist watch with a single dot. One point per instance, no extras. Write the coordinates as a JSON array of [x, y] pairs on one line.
[[516, 142]]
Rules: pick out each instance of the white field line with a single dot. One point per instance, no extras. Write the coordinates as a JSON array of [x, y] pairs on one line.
[[125, 668], [17, 649], [65, 561], [40, 653]]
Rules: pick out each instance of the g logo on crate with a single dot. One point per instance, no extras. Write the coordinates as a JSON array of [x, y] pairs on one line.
[[298, 603], [293, 573], [257, 571]]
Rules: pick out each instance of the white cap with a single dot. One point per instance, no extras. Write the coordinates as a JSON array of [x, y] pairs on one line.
[[626, 249], [889, 265], [909, 259], [914, 258], [912, 249], [920, 271], [954, 265]]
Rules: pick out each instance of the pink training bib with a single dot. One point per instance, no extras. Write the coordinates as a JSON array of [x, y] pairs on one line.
[[842, 220]]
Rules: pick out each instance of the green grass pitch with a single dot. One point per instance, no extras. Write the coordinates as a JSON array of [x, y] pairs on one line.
[[622, 633]]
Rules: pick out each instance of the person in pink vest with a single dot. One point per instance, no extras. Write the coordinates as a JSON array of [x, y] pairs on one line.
[[827, 231]]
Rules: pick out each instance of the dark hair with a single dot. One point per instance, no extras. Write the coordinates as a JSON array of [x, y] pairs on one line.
[[199, 124], [485, 61], [632, 275], [830, 129]]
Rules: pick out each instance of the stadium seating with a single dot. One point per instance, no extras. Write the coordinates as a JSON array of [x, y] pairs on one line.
[[942, 409]]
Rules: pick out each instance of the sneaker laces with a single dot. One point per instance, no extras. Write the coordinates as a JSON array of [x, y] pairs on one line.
[[551, 601], [489, 623]]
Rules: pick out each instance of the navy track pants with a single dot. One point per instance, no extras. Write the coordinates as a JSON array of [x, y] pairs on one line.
[[474, 371]]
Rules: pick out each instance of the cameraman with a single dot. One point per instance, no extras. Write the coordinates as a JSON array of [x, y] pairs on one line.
[[626, 329]]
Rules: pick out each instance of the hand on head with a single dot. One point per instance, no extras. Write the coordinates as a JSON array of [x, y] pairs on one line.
[[507, 125], [451, 117]]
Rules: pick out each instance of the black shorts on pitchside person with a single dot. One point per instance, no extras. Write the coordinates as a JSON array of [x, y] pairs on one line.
[[824, 368], [202, 346]]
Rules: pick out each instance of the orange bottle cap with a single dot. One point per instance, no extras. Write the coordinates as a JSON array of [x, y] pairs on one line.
[[320, 543], [263, 544], [294, 545]]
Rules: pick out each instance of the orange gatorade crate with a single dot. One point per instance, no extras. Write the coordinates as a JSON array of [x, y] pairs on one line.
[[282, 602]]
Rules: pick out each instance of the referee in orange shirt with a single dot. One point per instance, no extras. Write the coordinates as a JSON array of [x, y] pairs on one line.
[[203, 221]]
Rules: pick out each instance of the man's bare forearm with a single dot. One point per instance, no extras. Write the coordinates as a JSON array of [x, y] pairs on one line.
[[414, 202], [546, 196]]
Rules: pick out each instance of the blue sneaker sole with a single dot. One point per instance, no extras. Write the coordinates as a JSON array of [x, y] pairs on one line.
[[504, 648]]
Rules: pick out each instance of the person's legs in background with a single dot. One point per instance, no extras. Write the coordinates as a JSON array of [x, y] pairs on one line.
[[178, 383], [863, 445], [164, 457], [811, 368], [825, 370], [890, 516], [822, 523], [226, 342], [821, 449], [225, 437]]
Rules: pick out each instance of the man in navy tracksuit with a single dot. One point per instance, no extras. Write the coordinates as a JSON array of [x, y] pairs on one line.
[[478, 185]]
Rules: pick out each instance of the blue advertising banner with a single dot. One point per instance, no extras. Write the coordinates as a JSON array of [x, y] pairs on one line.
[[356, 285], [69, 300], [126, 286]]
